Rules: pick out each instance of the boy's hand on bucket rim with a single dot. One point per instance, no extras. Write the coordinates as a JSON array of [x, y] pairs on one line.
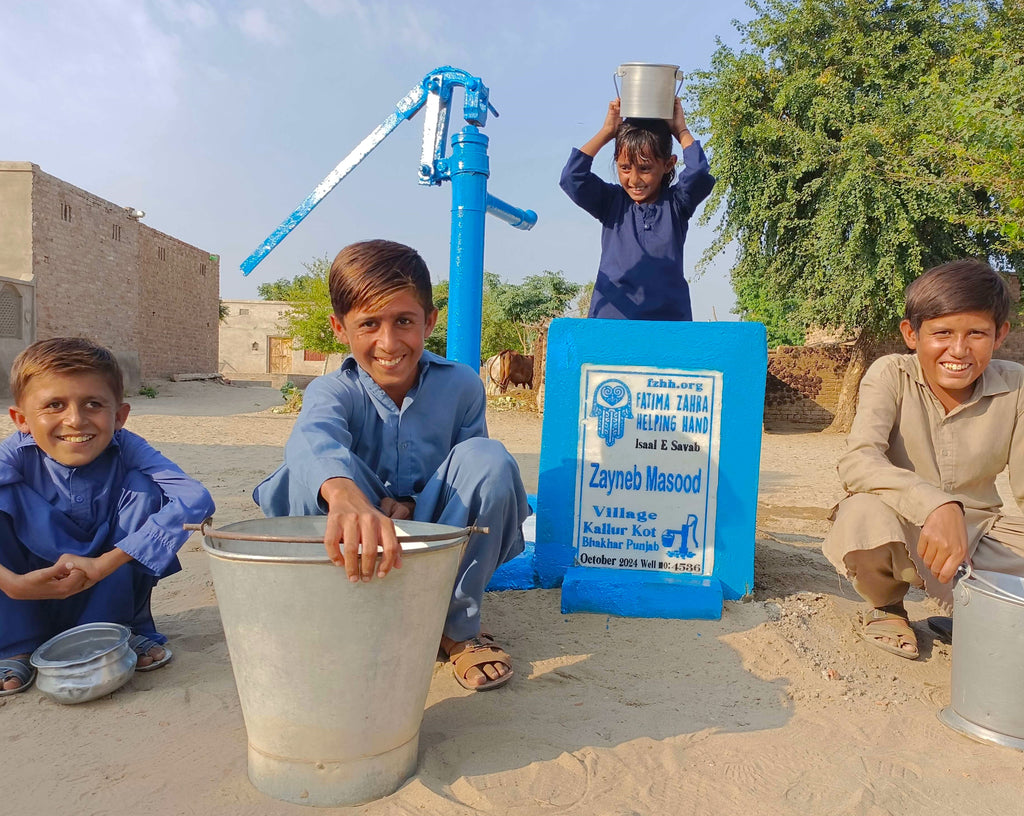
[[355, 530], [942, 544]]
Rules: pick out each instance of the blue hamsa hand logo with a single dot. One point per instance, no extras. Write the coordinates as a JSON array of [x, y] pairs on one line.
[[612, 407]]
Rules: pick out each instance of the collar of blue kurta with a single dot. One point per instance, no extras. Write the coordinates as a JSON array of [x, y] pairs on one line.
[[427, 359], [989, 384]]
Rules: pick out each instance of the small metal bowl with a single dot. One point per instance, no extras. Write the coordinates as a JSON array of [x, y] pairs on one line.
[[84, 663]]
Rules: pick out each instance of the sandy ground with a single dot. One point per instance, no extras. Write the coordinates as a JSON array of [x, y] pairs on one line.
[[778, 708]]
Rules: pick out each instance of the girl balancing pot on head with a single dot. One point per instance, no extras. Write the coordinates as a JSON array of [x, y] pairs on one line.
[[644, 217]]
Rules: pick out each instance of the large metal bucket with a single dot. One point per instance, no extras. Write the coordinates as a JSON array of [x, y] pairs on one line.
[[332, 675], [987, 690], [649, 90]]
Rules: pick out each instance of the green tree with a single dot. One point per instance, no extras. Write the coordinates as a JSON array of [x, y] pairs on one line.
[[527, 305], [981, 95], [509, 312], [496, 330], [308, 319], [302, 287], [583, 300], [835, 181], [438, 340]]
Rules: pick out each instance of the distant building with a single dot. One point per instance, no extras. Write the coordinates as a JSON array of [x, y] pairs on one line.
[[72, 263], [254, 347]]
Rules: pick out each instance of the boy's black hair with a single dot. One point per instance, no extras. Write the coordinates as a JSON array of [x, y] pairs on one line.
[[645, 139], [967, 285]]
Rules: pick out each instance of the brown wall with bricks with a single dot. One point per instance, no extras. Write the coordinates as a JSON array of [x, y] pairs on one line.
[[84, 254], [178, 310], [98, 272]]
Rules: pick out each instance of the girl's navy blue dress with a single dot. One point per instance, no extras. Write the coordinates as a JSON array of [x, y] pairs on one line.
[[641, 272]]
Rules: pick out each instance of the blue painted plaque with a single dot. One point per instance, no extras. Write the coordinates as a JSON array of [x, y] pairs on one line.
[[647, 484]]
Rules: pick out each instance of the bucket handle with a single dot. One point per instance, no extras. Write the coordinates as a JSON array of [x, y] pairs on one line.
[[616, 84], [226, 536], [967, 572]]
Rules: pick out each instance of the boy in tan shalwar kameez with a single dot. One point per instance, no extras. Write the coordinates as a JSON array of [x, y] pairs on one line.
[[932, 432]]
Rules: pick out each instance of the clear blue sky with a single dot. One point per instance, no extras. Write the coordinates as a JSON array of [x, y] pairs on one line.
[[218, 118]]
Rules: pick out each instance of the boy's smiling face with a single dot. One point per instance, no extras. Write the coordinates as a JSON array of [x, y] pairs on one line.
[[72, 417], [954, 350], [387, 342]]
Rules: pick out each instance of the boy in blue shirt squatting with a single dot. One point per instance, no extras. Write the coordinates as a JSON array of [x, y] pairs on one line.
[[644, 218], [90, 515], [399, 433]]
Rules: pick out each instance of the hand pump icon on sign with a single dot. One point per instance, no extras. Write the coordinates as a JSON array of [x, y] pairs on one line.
[[687, 534]]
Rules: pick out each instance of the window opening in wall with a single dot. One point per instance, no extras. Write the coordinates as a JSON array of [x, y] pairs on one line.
[[161, 253], [202, 269], [10, 312], [65, 211], [314, 356], [243, 311], [115, 233]]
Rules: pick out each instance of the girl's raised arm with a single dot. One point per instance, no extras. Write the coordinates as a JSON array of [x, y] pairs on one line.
[[606, 134], [679, 128]]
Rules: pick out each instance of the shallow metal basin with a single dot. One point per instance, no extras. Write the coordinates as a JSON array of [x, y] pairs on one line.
[[84, 663]]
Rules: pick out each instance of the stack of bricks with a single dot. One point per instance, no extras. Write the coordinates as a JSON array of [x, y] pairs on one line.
[[803, 386]]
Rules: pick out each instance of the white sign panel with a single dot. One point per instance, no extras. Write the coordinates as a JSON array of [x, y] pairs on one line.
[[647, 484]]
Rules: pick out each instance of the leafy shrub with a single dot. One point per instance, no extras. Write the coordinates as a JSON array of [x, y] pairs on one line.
[[292, 395]]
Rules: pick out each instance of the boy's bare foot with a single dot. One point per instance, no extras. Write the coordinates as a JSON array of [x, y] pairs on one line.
[[478, 663], [889, 628]]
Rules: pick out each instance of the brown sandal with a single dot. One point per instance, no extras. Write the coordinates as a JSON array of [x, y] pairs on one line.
[[887, 622], [479, 651]]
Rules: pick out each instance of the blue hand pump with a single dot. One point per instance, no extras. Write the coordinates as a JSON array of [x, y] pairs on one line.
[[467, 170]]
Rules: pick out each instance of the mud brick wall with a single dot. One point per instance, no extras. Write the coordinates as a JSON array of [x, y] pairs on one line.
[[1013, 347], [803, 386], [104, 275], [178, 317], [84, 268]]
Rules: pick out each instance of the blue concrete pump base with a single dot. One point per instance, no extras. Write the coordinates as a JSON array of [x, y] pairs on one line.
[[641, 594], [519, 573]]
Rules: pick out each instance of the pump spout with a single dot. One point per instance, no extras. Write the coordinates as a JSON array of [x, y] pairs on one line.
[[513, 216]]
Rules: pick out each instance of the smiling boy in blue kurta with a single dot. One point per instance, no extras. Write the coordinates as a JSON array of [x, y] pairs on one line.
[[396, 433], [90, 515]]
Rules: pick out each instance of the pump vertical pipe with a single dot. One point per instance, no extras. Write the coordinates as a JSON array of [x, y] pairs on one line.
[[469, 171]]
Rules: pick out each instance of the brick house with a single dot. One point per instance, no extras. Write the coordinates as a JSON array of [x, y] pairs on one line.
[[72, 263], [253, 346]]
